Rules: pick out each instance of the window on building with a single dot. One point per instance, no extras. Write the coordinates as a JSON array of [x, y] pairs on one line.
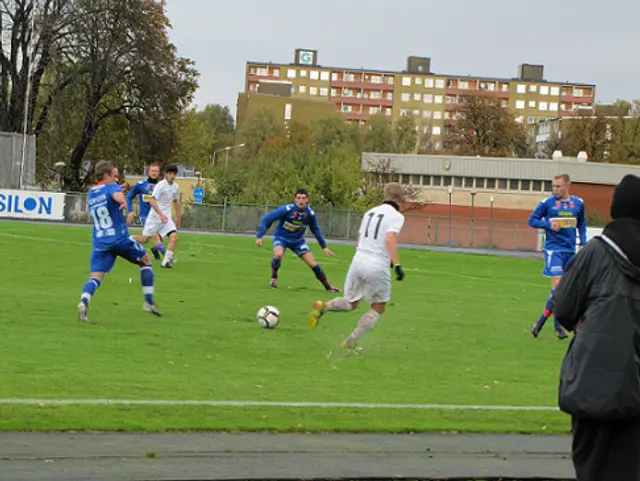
[[437, 115], [406, 179], [348, 77], [314, 75], [324, 76], [426, 180], [291, 73], [374, 110], [427, 98], [406, 81], [463, 84], [446, 180], [520, 119], [544, 90], [417, 97], [533, 88], [375, 95], [389, 95], [428, 83], [543, 106], [525, 185], [491, 183], [532, 104], [438, 99], [531, 120], [390, 80], [346, 108], [313, 91], [418, 80], [404, 112], [502, 184], [262, 71], [440, 83], [505, 87], [416, 112], [553, 106], [334, 76], [519, 104], [437, 180], [468, 182], [555, 91], [537, 186], [548, 186], [375, 79], [565, 91], [480, 183], [334, 92], [426, 114], [303, 73], [324, 91], [457, 181], [388, 111], [405, 97], [578, 92], [521, 89], [302, 89], [437, 130], [514, 184]]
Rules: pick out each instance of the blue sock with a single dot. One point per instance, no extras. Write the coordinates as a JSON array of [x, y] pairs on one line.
[[275, 265], [89, 290], [159, 247], [547, 311], [320, 275], [146, 278]]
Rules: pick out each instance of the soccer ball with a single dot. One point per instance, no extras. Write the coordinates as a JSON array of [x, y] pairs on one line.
[[268, 317]]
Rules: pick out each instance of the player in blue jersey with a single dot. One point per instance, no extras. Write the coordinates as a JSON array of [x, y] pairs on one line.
[[111, 239], [293, 220], [561, 216], [143, 190]]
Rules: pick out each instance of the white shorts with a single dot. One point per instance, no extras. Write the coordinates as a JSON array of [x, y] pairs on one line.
[[371, 281], [155, 226]]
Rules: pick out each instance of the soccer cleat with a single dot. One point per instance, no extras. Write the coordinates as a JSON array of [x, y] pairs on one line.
[[273, 283], [561, 333], [156, 254], [316, 314], [333, 289], [166, 265], [535, 329], [83, 312], [350, 347], [151, 308]]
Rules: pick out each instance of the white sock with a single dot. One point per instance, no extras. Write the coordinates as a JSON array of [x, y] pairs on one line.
[[338, 304], [167, 257], [365, 324]]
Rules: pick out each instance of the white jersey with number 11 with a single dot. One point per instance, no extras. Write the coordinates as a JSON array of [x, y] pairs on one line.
[[376, 224]]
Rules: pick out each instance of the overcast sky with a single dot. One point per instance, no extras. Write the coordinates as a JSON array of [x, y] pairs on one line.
[[585, 41]]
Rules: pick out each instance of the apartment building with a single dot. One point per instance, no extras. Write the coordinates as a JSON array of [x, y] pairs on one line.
[[360, 93]]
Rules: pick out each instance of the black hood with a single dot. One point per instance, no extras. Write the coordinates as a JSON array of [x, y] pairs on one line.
[[625, 233]]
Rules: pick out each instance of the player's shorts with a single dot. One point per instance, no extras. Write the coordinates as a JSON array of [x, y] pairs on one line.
[[129, 249], [154, 226], [555, 263], [369, 280], [299, 247]]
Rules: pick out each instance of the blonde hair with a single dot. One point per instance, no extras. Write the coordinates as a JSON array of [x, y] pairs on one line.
[[394, 192]]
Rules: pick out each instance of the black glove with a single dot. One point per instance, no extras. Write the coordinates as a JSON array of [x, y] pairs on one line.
[[399, 272]]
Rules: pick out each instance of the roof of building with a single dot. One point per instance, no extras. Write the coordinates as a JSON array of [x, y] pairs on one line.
[[424, 74], [499, 168]]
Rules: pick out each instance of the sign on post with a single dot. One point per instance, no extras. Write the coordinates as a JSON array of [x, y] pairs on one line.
[[26, 204], [198, 195]]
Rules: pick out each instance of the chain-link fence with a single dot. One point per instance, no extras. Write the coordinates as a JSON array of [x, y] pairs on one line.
[[344, 224]]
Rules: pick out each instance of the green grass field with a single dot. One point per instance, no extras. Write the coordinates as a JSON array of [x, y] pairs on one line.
[[456, 333]]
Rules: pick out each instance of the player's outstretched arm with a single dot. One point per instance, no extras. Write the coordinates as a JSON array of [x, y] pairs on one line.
[[317, 232], [118, 196], [268, 219], [536, 218]]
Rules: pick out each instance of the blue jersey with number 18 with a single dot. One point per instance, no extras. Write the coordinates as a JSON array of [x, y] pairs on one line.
[[109, 223]]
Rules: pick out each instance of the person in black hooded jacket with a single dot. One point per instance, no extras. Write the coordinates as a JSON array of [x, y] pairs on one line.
[[599, 299]]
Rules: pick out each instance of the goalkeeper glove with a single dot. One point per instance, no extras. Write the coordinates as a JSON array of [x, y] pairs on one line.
[[399, 271]]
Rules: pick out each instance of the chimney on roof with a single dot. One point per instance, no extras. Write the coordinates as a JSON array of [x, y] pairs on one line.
[[533, 73], [418, 64]]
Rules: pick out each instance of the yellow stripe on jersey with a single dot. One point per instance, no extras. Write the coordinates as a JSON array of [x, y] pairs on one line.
[[146, 197], [566, 222]]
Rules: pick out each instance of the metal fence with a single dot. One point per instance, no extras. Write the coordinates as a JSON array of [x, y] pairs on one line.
[[12, 173], [344, 224]]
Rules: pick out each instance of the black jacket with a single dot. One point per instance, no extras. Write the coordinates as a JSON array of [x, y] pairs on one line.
[[600, 375]]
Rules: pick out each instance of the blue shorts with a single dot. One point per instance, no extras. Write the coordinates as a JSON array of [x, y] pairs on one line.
[[129, 249], [299, 247], [555, 263]]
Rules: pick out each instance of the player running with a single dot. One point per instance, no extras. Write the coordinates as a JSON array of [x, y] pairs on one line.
[[368, 274], [143, 190], [160, 221], [111, 239], [293, 220], [559, 216]]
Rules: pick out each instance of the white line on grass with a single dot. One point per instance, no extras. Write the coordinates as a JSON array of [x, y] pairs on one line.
[[283, 404]]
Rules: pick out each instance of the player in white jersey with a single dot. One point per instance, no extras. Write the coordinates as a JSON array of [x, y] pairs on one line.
[[160, 219], [369, 275]]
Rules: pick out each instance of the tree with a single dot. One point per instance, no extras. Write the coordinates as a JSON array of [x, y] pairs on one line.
[[332, 131], [378, 136], [195, 140], [256, 130], [219, 119], [485, 128], [132, 69], [404, 135]]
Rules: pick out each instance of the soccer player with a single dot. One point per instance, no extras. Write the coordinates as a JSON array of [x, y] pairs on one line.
[[111, 239], [368, 274], [293, 220], [559, 215], [143, 190], [159, 221]]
